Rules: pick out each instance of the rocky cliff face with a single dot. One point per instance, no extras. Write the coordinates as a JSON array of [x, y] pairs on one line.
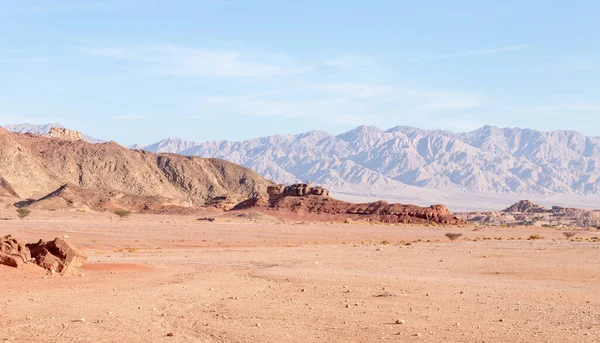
[[66, 134], [299, 189]]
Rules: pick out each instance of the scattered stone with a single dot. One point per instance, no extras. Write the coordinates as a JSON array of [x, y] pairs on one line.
[[400, 321]]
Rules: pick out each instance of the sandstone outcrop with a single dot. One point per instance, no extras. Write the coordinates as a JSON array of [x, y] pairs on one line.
[[297, 190], [57, 255], [63, 133], [525, 206], [314, 203], [13, 252]]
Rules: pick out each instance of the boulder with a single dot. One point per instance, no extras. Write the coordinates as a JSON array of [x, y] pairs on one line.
[[13, 252], [57, 255]]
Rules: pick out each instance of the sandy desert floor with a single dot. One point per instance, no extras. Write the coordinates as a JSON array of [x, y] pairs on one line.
[[255, 279]]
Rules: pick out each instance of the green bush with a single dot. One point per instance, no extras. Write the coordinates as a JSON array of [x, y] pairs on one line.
[[23, 212]]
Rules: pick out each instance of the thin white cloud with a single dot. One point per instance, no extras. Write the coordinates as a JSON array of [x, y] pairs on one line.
[[25, 60], [340, 104], [129, 117], [481, 52], [66, 5], [180, 61], [575, 107], [413, 99], [352, 62]]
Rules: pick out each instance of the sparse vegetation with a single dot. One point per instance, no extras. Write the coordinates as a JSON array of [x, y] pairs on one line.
[[123, 213], [23, 213], [453, 236], [569, 234], [535, 237]]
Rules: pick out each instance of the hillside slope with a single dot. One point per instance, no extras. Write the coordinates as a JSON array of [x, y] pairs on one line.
[[33, 166]]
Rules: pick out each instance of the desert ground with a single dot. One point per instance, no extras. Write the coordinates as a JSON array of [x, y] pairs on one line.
[[167, 278]]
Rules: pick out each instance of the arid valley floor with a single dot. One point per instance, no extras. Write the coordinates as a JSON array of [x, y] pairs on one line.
[[165, 278]]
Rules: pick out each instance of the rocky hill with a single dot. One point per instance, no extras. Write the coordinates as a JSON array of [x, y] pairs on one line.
[[488, 160], [47, 129], [38, 168], [301, 201], [526, 212]]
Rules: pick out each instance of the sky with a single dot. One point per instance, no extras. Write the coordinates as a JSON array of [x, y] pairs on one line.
[[137, 71]]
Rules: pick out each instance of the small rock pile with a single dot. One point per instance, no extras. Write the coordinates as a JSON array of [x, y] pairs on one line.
[[57, 255]]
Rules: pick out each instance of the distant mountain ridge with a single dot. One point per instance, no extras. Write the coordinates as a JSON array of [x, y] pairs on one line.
[[489, 160]]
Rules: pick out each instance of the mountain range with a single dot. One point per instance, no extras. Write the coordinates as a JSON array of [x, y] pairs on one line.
[[490, 159], [403, 163]]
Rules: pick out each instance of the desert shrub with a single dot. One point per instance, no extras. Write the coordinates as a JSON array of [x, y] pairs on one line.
[[123, 213], [453, 236], [569, 234], [23, 212], [535, 236]]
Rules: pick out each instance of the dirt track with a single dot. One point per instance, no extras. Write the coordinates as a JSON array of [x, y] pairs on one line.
[[257, 280]]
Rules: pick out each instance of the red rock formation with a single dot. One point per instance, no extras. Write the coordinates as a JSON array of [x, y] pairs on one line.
[[13, 252], [314, 203], [57, 255]]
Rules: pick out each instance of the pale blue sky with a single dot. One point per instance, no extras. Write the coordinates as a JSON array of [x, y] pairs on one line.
[[137, 71]]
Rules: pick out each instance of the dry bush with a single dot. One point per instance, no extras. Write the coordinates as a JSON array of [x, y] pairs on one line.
[[535, 236], [569, 234], [453, 236], [123, 213]]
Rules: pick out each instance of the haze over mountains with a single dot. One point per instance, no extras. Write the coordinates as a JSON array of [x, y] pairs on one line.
[[423, 166], [44, 129], [489, 159]]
